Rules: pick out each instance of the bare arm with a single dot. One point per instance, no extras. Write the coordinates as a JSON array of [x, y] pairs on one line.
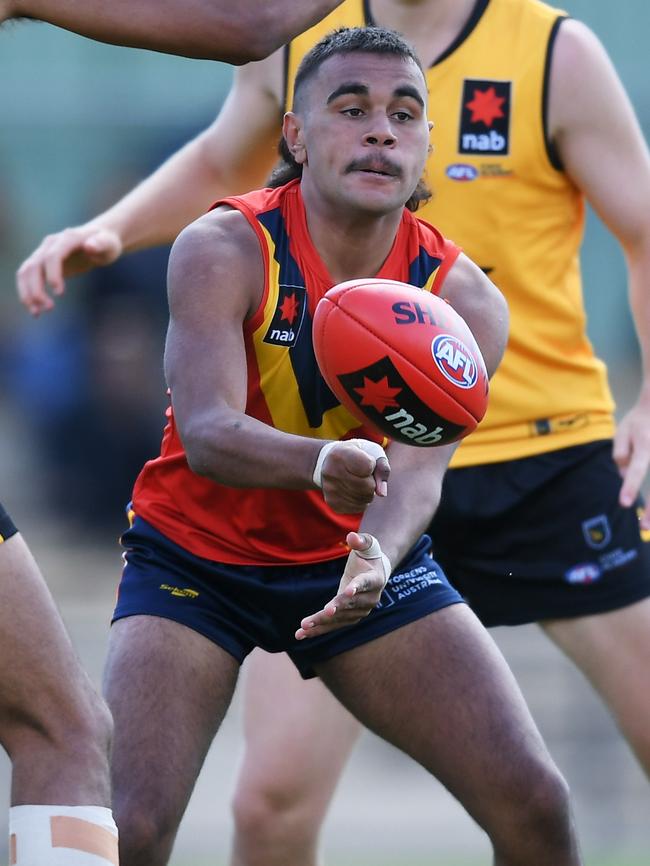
[[475, 297], [601, 146], [215, 283], [236, 32], [231, 156], [416, 473]]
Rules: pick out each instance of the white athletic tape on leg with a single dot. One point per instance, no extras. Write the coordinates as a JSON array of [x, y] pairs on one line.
[[62, 836], [375, 552], [372, 449]]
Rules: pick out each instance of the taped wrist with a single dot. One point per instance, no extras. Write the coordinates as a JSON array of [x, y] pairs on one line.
[[318, 469], [372, 449]]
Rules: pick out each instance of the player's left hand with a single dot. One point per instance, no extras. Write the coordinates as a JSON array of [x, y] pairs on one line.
[[359, 590], [632, 453]]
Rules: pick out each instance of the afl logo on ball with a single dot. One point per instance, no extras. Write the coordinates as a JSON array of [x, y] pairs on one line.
[[454, 360]]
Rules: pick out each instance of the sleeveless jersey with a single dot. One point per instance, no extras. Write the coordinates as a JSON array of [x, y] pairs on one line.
[[264, 526], [499, 192]]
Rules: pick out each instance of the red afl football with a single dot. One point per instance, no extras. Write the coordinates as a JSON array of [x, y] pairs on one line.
[[401, 360]]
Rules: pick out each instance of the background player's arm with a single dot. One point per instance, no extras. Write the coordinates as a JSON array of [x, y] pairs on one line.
[[598, 139], [216, 280], [236, 32], [233, 155]]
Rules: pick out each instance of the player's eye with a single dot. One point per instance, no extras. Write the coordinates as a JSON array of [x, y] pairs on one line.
[[353, 112], [402, 116]]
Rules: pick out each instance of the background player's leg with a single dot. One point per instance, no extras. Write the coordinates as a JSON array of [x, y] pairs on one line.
[[53, 724], [440, 690], [298, 738], [168, 688], [613, 651]]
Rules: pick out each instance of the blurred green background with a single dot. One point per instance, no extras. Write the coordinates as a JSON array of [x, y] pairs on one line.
[[83, 391]]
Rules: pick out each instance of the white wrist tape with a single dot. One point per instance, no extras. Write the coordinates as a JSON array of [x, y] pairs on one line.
[[372, 449], [375, 552], [318, 469]]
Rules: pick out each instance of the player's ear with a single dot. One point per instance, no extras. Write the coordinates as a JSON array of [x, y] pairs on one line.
[[293, 135]]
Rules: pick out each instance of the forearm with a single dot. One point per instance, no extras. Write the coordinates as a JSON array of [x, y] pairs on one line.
[[214, 29], [399, 519], [638, 265], [236, 450]]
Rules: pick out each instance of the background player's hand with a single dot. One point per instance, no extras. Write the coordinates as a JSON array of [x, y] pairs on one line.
[[632, 453], [359, 590], [64, 254], [351, 474]]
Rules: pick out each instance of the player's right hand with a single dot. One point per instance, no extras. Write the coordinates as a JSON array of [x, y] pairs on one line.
[[352, 474], [64, 254]]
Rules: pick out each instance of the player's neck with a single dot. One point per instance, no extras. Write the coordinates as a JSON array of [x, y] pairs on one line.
[[430, 25], [350, 246]]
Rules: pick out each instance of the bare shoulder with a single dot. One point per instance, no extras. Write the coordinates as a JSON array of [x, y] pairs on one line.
[[580, 70], [215, 252], [576, 45]]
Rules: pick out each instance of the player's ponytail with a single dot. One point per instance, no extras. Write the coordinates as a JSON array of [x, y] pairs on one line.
[[287, 168]]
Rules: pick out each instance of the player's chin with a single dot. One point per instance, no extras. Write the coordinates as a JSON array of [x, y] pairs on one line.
[[380, 198]]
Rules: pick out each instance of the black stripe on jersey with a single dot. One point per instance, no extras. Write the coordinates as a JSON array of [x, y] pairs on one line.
[[7, 526], [477, 13], [422, 267], [314, 393], [551, 151]]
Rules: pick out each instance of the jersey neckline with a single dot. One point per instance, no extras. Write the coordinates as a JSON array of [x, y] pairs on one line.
[[477, 13]]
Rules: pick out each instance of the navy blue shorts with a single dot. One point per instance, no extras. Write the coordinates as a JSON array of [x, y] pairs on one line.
[[7, 526], [542, 537], [240, 607]]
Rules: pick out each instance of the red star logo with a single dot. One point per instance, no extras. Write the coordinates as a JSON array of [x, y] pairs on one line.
[[289, 308], [377, 394], [486, 106]]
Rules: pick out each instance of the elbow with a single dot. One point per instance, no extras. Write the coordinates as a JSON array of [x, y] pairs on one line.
[[201, 453], [257, 47], [254, 38], [199, 457], [209, 446]]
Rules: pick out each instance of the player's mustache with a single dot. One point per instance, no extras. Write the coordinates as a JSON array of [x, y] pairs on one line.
[[374, 163]]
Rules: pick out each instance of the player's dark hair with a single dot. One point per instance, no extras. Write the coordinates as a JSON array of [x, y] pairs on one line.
[[345, 40]]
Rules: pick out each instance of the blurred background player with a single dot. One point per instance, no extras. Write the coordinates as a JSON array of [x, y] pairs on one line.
[[253, 434], [513, 161], [54, 726], [236, 33]]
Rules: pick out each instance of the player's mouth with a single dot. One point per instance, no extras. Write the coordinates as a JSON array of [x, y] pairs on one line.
[[375, 167]]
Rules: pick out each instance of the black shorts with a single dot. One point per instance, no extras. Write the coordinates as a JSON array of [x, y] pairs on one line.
[[7, 526], [542, 538], [240, 607]]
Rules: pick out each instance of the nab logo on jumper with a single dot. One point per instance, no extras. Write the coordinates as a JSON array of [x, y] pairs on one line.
[[485, 118], [388, 401], [288, 316]]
